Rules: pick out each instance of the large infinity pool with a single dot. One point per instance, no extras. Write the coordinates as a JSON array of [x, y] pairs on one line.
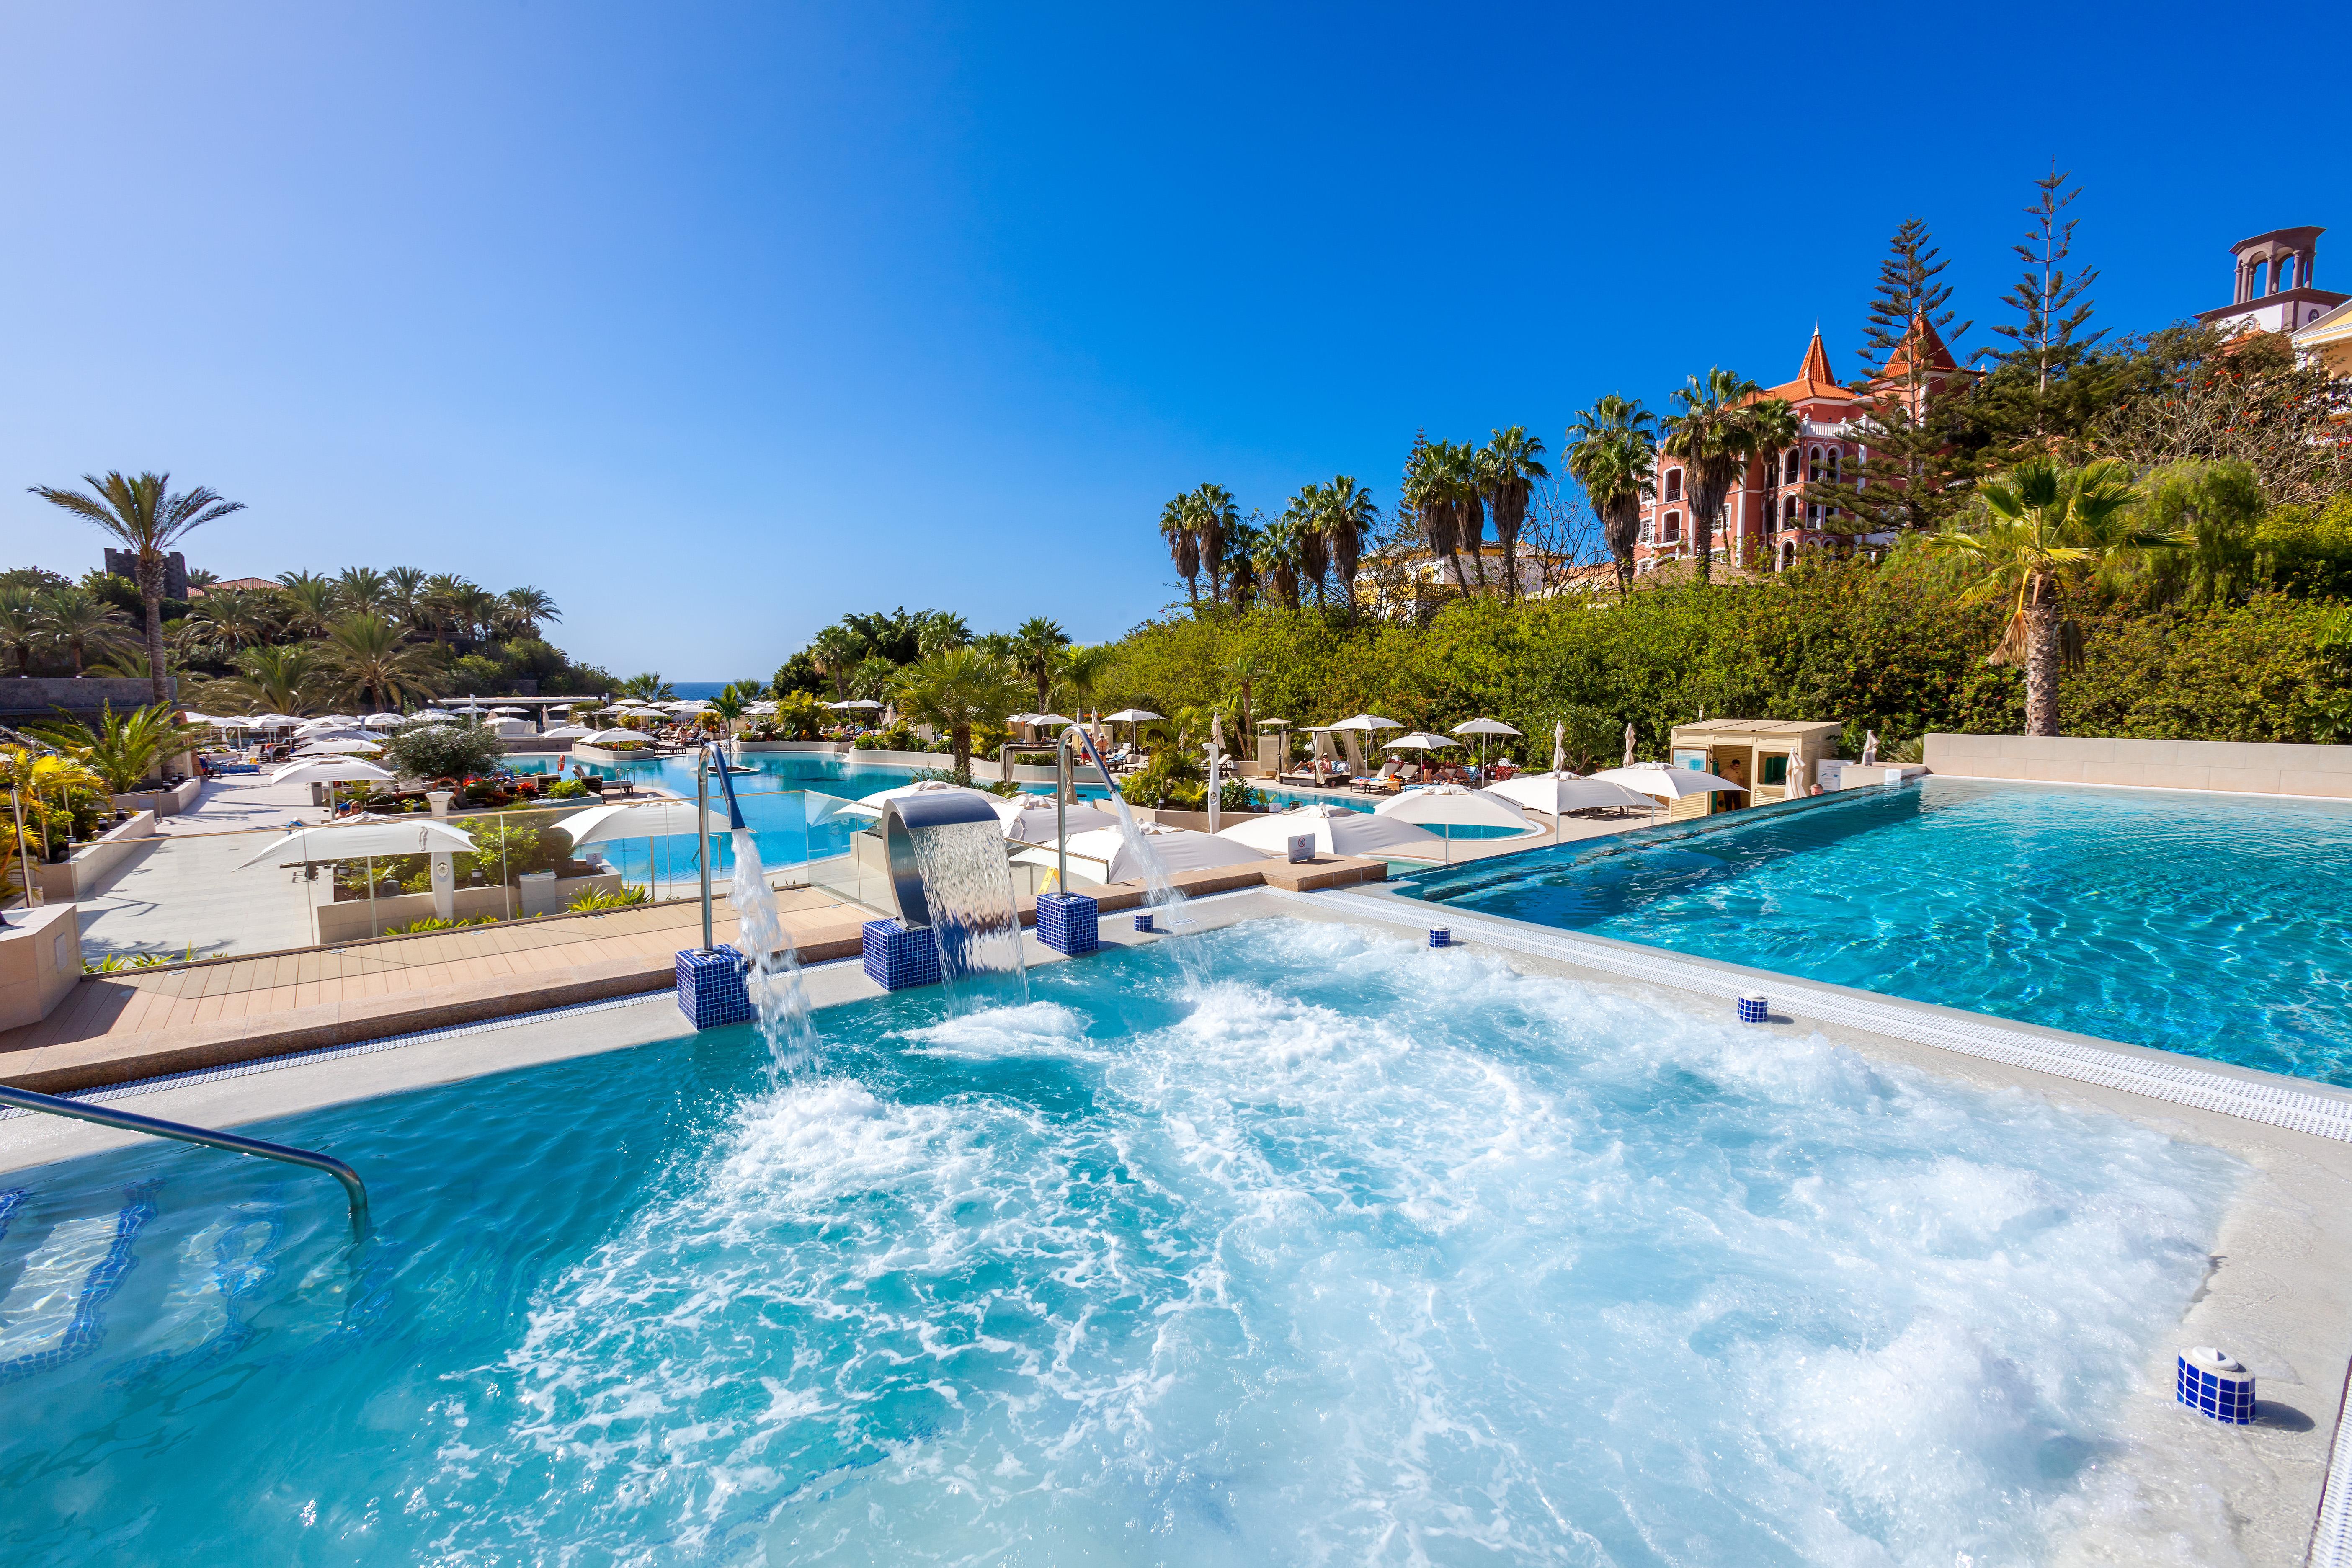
[[1353, 1253], [2191, 923]]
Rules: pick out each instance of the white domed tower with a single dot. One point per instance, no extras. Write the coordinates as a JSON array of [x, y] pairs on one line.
[[2272, 291]]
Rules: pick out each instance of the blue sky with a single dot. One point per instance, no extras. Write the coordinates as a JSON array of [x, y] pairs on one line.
[[715, 322]]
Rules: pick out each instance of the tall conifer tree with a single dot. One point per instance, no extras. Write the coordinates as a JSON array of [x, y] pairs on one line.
[[1908, 475], [2053, 305]]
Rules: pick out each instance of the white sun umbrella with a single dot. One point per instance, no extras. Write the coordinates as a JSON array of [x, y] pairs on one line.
[[335, 747], [363, 839], [860, 704], [761, 708], [1420, 741], [1482, 728], [382, 721], [1132, 716], [653, 819], [431, 716], [566, 733], [1103, 854], [329, 771], [1452, 806], [518, 713], [1671, 783], [602, 737], [1032, 818], [1337, 830], [1559, 792], [823, 807]]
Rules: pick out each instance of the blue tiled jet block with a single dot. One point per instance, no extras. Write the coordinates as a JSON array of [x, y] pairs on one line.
[[2223, 1396], [710, 989], [1755, 1009], [896, 958], [1070, 923]]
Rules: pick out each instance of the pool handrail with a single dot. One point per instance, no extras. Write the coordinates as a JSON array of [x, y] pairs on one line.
[[354, 1190]]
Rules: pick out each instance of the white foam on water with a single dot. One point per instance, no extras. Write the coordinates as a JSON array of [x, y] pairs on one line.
[[1369, 1255], [773, 973]]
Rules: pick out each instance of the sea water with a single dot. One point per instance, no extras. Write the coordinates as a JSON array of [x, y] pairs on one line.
[[1361, 1254]]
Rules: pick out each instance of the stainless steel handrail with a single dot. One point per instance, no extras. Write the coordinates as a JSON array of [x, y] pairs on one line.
[[132, 1122]]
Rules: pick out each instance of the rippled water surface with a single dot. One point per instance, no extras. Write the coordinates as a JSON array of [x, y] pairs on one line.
[[1354, 1253], [2190, 923]]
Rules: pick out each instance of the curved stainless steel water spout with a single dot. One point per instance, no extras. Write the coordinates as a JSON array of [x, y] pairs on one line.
[[1062, 799], [940, 808], [354, 1190]]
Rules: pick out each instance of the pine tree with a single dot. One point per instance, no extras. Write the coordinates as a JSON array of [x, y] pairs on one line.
[[1909, 476], [2052, 304]]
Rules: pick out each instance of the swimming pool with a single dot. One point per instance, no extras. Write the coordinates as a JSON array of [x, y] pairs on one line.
[[1357, 1253], [2195, 922]]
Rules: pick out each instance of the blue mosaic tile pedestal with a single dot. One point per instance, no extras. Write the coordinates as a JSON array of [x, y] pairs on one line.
[[710, 990], [1070, 923], [896, 958], [2214, 1385]]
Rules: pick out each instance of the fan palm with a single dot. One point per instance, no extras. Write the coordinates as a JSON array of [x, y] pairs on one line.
[[1507, 472], [648, 686], [1435, 476], [147, 518], [1038, 644], [1612, 452], [2030, 534], [1349, 514], [378, 666], [1215, 518], [956, 688], [1183, 545], [122, 749], [81, 623], [1715, 437], [1273, 555]]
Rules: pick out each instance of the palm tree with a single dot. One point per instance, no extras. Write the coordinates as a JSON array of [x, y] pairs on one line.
[[363, 591], [1716, 438], [1215, 517], [1308, 556], [1038, 644], [1772, 424], [1243, 540], [47, 785], [378, 666], [837, 652], [1507, 470], [79, 621], [231, 618], [871, 679], [406, 586], [525, 607], [280, 680], [648, 686], [1429, 491], [124, 749], [22, 627], [1613, 454], [956, 688], [1183, 545], [1349, 514], [1273, 555], [1082, 671], [311, 602], [936, 630], [2031, 534], [148, 519]]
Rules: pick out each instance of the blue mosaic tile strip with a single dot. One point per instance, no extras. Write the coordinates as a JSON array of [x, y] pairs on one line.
[[97, 1286], [710, 988], [1070, 923], [897, 959]]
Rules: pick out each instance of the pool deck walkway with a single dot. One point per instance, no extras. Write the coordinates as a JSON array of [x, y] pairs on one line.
[[136, 1024]]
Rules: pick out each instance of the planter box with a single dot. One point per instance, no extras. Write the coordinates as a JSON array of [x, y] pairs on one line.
[[41, 959], [161, 802], [347, 920], [95, 863]]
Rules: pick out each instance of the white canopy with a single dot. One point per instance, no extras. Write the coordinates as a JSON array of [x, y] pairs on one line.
[[1051, 719], [1454, 806], [566, 733], [761, 708], [1031, 818], [1338, 831], [358, 838], [655, 819], [1673, 783], [272, 722], [1420, 741], [1556, 793], [330, 769], [1132, 716], [431, 716], [522, 711], [1484, 727], [1103, 854], [335, 747], [823, 807], [857, 702], [383, 721], [1368, 722], [601, 737]]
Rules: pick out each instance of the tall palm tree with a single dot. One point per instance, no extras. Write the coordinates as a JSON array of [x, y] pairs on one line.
[[936, 630], [1349, 514], [1273, 555], [1714, 439], [1612, 452], [379, 667], [147, 518], [956, 688], [1429, 492], [526, 608], [22, 627], [1183, 545], [281, 679], [1082, 670], [363, 591], [80, 622], [311, 602], [1242, 541], [2030, 534], [837, 650], [1215, 517], [1310, 548], [1038, 644], [1507, 472], [406, 586]]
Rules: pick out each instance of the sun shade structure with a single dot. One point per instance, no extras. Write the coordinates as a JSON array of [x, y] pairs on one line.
[[1031, 818], [566, 733], [335, 747], [1556, 793], [1051, 719], [383, 721], [361, 837], [1452, 806], [1338, 831], [1368, 722], [1420, 741], [330, 769], [1672, 784], [1103, 854], [1484, 727], [602, 736], [431, 716], [657, 819], [1132, 716], [857, 703]]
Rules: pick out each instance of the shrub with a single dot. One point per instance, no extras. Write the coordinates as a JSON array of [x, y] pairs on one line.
[[799, 716], [506, 850], [596, 900], [566, 789], [442, 752]]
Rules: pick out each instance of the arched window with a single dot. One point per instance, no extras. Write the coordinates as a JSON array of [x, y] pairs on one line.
[[1788, 465], [1669, 529], [1648, 531], [1833, 468], [2286, 274], [1788, 512], [1673, 484], [1813, 466]]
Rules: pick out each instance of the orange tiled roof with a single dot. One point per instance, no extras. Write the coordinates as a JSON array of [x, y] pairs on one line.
[[1814, 384], [1938, 358]]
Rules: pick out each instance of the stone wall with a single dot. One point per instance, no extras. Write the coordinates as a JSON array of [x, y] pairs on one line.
[[2232, 767], [38, 696]]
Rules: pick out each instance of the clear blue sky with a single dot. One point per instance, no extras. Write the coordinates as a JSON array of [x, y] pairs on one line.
[[717, 322]]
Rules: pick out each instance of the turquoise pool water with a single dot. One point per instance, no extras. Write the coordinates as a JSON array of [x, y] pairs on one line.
[[774, 799], [2190, 923], [1357, 1253]]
